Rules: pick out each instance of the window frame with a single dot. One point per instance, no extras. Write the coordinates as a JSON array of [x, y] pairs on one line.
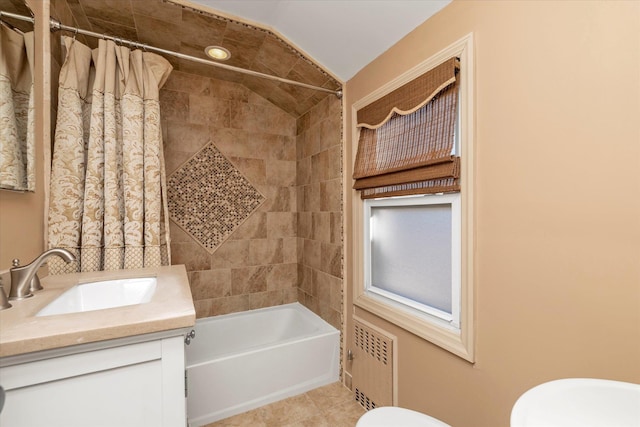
[[429, 313], [457, 339]]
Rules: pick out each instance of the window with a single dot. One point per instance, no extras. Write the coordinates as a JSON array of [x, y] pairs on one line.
[[413, 208], [412, 254]]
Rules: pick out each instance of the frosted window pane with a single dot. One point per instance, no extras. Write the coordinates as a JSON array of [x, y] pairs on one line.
[[411, 252]]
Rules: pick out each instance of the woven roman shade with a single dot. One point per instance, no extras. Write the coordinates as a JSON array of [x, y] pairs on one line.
[[407, 137]]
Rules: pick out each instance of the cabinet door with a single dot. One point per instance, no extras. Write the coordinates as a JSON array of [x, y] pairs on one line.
[[174, 403], [121, 386]]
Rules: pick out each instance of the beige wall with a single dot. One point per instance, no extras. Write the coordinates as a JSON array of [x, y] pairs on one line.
[[22, 214], [557, 197]]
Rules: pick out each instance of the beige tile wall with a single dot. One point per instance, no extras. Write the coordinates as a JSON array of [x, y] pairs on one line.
[[257, 265], [319, 205], [290, 249]]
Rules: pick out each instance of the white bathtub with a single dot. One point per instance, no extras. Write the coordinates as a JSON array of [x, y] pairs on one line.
[[240, 361]]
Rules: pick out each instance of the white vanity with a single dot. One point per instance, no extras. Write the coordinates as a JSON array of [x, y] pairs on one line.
[[121, 366]]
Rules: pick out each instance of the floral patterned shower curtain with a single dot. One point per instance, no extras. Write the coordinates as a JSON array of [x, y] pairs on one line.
[[17, 141], [108, 202]]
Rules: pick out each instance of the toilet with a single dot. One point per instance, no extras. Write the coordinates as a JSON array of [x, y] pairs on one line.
[[391, 416]]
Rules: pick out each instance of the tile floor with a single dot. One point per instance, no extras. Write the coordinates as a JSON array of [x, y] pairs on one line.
[[329, 406]]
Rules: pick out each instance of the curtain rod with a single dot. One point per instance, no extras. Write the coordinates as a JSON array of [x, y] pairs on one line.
[[58, 26]]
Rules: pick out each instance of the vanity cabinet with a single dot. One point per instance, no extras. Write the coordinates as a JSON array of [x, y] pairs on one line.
[[134, 381]]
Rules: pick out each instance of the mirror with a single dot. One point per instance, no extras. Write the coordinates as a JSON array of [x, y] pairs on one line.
[[17, 140]]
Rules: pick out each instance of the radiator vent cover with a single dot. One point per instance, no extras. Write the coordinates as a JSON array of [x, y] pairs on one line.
[[372, 343], [372, 367], [364, 400]]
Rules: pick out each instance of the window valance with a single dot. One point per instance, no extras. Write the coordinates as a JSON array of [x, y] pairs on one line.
[[409, 97], [412, 150]]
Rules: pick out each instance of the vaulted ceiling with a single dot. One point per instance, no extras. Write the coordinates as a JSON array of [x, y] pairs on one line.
[[342, 35], [188, 30], [345, 34]]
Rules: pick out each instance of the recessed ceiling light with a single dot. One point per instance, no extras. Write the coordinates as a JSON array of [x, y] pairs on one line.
[[217, 52]]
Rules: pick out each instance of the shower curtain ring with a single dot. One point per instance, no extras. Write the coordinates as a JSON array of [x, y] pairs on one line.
[[75, 33]]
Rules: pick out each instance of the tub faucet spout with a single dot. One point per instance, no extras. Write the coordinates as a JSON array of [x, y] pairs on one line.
[[23, 276]]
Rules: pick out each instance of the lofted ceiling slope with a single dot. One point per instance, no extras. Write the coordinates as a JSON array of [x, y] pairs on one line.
[[188, 30], [341, 35], [333, 39]]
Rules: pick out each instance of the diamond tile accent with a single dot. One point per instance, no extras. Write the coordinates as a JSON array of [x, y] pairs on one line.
[[209, 198]]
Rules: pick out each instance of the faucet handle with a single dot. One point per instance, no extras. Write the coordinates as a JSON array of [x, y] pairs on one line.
[[35, 282], [4, 302]]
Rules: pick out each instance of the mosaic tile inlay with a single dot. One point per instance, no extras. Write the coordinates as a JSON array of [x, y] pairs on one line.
[[209, 198]]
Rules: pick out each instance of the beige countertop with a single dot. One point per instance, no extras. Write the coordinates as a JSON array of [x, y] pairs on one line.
[[171, 307]]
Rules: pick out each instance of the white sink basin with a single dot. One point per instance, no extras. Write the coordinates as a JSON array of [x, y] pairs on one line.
[[101, 295], [582, 402]]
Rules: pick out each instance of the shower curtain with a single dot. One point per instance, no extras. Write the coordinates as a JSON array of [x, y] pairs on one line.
[[107, 201], [17, 144]]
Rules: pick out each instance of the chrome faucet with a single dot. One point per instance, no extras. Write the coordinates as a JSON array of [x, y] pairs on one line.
[[24, 279]]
